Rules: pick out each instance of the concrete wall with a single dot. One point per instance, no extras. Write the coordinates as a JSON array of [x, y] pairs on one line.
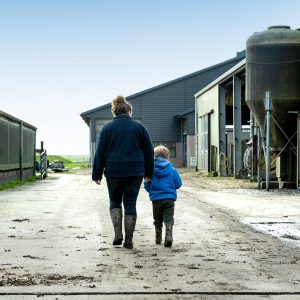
[[12, 175]]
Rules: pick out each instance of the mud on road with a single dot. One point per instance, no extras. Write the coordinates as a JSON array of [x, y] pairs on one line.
[[56, 239]]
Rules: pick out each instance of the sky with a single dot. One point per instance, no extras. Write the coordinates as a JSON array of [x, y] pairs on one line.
[[59, 58]]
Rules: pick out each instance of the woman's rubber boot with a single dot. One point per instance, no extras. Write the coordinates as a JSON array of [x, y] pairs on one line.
[[129, 229], [158, 234], [116, 217], [169, 235]]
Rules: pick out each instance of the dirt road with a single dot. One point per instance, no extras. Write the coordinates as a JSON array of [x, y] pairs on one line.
[[56, 236]]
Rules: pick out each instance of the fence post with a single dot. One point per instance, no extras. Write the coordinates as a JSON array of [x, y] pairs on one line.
[[43, 162]]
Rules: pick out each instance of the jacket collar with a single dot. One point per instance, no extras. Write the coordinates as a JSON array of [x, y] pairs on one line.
[[122, 117]]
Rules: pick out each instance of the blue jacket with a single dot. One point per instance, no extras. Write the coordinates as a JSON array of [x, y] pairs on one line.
[[165, 181], [124, 150]]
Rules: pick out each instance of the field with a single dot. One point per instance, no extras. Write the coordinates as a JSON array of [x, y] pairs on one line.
[[70, 161], [77, 158]]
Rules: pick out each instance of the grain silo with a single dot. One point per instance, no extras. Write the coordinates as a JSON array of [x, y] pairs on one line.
[[273, 73]]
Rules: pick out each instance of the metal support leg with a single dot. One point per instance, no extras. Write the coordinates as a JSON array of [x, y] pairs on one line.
[[258, 157], [267, 151]]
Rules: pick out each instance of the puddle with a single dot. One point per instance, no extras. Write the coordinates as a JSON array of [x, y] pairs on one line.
[[287, 231]]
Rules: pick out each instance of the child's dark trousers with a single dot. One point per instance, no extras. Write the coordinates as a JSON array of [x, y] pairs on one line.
[[163, 211]]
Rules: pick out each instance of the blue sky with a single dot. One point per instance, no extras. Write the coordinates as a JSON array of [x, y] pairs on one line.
[[59, 58]]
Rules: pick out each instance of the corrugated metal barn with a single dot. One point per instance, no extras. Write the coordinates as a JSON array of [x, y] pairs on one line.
[[17, 149], [167, 110], [223, 123]]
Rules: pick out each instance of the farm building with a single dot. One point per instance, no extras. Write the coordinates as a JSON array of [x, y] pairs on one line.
[[17, 149], [248, 119], [167, 110], [223, 123]]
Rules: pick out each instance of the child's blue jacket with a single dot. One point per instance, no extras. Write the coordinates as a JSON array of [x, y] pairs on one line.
[[165, 181]]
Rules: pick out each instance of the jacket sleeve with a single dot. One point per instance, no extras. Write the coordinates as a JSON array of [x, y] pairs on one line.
[[178, 182], [148, 154], [99, 159]]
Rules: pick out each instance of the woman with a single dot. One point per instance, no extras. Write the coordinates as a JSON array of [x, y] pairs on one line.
[[125, 155]]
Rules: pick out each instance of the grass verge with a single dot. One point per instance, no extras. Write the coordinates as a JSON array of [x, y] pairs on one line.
[[67, 162], [15, 183]]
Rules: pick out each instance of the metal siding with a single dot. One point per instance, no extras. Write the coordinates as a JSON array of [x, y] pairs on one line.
[[206, 103], [14, 145], [28, 149], [10, 145], [215, 118], [191, 124], [237, 121], [159, 108], [161, 105], [156, 108], [4, 151]]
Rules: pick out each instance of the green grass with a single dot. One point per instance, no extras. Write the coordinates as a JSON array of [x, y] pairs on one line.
[[78, 158], [53, 158], [67, 162], [15, 183]]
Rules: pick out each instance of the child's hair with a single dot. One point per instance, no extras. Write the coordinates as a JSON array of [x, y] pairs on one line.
[[119, 106], [161, 151]]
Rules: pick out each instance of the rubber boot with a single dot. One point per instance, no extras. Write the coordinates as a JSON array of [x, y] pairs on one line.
[[158, 234], [116, 217], [168, 237], [129, 222]]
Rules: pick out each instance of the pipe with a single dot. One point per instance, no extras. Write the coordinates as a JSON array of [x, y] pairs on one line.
[[267, 158], [258, 158]]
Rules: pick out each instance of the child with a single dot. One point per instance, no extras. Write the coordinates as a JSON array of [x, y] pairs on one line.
[[162, 192]]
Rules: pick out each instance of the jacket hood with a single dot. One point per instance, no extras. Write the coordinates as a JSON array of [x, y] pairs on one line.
[[162, 167]]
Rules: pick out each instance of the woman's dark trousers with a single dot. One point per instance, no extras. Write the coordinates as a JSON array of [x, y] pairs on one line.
[[123, 190]]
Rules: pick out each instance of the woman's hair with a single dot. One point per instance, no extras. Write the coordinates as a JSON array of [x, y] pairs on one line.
[[161, 151], [119, 106]]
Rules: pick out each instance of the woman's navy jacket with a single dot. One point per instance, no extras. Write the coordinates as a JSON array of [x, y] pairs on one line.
[[124, 150]]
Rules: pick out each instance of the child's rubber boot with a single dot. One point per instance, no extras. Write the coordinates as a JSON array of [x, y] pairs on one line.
[[169, 235], [158, 234]]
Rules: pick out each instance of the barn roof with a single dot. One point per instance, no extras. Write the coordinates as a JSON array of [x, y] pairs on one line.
[[239, 56]]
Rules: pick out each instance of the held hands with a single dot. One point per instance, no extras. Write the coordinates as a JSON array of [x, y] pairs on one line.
[[146, 179], [98, 182]]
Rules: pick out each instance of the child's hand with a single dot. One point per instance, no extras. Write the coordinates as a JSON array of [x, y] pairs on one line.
[[146, 179]]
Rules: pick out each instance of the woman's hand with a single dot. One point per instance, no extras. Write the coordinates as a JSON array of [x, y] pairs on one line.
[[98, 182]]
